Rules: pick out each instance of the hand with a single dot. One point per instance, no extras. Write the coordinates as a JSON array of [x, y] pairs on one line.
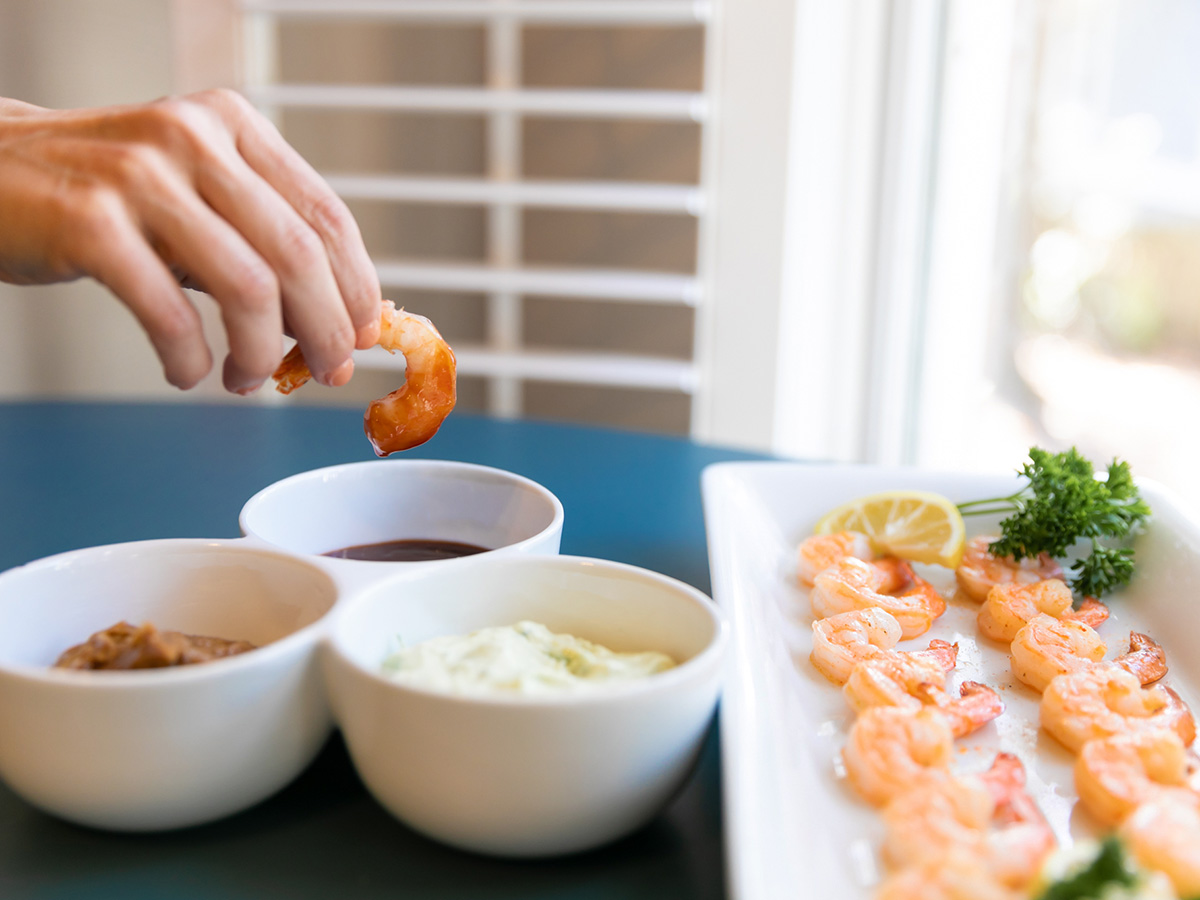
[[198, 190]]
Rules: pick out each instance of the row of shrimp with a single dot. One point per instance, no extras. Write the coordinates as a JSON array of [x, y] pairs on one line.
[[949, 836], [1134, 768]]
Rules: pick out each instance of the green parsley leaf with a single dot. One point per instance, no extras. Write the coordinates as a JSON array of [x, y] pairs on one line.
[[1108, 868], [1063, 503]]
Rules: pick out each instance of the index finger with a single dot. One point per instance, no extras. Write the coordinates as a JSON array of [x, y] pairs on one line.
[[289, 174]]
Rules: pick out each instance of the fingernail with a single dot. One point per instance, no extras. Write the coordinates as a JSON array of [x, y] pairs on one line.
[[340, 375], [247, 391], [367, 336]]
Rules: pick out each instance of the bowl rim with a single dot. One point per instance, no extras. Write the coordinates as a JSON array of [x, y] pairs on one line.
[[709, 657], [326, 472], [158, 678]]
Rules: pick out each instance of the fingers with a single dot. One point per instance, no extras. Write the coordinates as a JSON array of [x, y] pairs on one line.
[[311, 299], [110, 245], [291, 178], [201, 190], [246, 288]]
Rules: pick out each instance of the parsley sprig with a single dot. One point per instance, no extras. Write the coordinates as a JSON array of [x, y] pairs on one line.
[[1110, 867], [1064, 502]]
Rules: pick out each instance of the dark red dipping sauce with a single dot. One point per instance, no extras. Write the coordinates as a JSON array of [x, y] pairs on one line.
[[407, 551]]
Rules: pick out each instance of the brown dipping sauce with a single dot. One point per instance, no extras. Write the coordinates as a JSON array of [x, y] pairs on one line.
[[417, 550], [125, 646]]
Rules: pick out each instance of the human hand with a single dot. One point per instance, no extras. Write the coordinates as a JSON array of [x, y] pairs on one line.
[[199, 190]]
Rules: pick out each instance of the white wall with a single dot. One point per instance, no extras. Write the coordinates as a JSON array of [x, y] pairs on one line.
[[76, 340]]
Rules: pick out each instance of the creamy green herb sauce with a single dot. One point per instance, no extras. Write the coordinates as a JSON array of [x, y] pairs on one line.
[[526, 658]]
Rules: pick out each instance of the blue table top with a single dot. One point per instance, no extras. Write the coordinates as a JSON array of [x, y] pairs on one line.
[[76, 475]]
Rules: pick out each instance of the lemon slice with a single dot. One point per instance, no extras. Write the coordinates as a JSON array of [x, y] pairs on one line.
[[917, 525]]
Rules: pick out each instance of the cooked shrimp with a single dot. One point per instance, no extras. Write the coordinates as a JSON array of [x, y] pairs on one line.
[[841, 642], [1010, 606], [900, 678], [917, 678], [958, 875], [980, 570], [990, 814], [925, 823], [1145, 659], [412, 414], [887, 583], [1105, 700], [1164, 835], [892, 750], [1115, 775], [820, 551], [1046, 647]]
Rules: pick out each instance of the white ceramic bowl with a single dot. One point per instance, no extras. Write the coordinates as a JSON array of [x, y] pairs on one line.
[[526, 776], [163, 748], [372, 502]]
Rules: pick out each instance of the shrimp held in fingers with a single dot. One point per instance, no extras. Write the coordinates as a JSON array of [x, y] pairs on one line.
[[1105, 700], [892, 750], [412, 414], [888, 584], [1009, 607], [843, 641], [1116, 775], [820, 551]]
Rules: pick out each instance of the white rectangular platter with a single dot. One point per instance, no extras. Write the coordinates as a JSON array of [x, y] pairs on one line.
[[793, 827]]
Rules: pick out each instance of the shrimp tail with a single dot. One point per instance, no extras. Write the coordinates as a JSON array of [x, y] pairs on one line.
[[976, 705], [292, 372], [1146, 658], [1090, 612]]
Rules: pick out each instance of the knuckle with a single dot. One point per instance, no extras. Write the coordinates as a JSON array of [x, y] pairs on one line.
[[332, 345], [177, 122], [330, 216], [301, 249], [91, 216], [256, 287]]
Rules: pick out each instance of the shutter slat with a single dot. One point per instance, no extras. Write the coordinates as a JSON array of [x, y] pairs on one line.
[[615, 104], [607, 284], [606, 369], [634, 12], [675, 198]]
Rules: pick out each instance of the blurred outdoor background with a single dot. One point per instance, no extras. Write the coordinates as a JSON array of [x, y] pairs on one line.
[[931, 232]]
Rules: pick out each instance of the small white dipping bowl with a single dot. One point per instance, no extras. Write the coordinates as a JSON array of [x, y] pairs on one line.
[[527, 776], [161, 748], [373, 502]]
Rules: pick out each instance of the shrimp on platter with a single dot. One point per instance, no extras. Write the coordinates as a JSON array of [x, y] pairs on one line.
[[958, 875], [916, 678], [1164, 835], [1116, 775], [843, 641], [891, 750], [1009, 607], [818, 552], [411, 414], [1046, 647], [981, 570], [888, 583], [900, 677], [1106, 700], [991, 815]]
